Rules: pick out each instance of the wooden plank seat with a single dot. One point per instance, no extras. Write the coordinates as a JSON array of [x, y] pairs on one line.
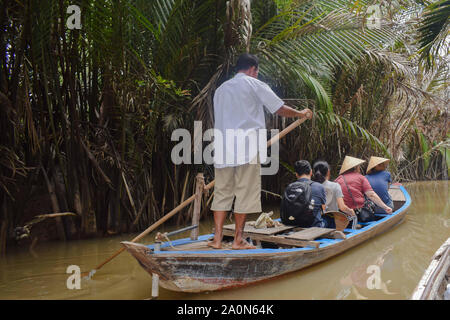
[[270, 235], [340, 219], [276, 239], [309, 234], [297, 237], [249, 228], [397, 196]]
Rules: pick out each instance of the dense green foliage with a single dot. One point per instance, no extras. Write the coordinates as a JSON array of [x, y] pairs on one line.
[[86, 115]]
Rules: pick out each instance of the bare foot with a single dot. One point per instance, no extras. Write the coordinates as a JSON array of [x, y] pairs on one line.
[[214, 245], [243, 245]]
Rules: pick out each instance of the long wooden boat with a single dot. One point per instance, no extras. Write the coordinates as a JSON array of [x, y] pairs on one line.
[[191, 266], [436, 278]]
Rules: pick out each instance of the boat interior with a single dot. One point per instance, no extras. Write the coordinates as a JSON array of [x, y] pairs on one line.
[[282, 236]]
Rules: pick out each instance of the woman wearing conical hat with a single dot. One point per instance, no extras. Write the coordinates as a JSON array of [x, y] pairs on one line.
[[354, 185], [379, 180]]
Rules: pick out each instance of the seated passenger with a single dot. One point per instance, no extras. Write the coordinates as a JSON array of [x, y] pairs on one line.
[[355, 186], [303, 200], [379, 180], [333, 191]]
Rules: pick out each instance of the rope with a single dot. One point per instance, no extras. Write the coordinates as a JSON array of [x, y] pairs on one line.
[[163, 236], [168, 240]]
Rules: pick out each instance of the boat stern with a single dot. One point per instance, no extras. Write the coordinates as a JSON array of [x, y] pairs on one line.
[[150, 262]]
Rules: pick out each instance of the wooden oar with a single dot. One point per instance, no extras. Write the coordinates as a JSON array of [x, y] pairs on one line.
[[182, 205], [286, 130]]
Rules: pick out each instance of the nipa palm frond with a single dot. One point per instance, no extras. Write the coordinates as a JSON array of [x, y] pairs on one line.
[[434, 31]]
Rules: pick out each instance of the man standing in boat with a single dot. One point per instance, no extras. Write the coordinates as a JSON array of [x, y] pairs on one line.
[[238, 107]]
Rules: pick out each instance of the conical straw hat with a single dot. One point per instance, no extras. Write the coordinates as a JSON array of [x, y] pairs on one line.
[[350, 162], [374, 161]]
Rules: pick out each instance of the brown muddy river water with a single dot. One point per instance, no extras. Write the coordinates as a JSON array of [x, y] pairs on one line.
[[400, 257]]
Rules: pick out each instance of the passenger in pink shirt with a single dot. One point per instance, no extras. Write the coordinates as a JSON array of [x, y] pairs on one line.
[[351, 179]]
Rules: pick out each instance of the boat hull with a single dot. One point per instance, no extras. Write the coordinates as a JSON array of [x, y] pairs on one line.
[[197, 271], [436, 277]]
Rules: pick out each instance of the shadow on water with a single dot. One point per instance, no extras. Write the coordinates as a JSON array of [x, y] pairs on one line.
[[398, 256]]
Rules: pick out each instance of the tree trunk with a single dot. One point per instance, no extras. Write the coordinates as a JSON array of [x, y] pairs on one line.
[[55, 206], [3, 229], [76, 197], [61, 194], [88, 220]]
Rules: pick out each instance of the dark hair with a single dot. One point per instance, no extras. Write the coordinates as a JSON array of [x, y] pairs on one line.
[[246, 61], [320, 169], [302, 167]]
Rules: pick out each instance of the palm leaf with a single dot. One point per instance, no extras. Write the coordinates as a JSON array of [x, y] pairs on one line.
[[433, 31]]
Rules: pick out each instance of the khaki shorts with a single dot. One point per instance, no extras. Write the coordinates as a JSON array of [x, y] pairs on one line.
[[242, 182]]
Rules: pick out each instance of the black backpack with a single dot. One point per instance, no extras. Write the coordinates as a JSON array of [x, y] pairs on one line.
[[296, 207]]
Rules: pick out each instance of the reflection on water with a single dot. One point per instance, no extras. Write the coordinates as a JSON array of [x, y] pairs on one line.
[[386, 267]]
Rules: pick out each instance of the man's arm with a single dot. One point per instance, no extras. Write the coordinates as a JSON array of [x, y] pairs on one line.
[[289, 112]]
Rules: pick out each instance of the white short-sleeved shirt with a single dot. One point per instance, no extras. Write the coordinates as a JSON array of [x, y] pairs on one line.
[[333, 191], [238, 109]]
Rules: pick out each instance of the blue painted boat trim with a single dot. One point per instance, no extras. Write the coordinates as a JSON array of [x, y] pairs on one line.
[[323, 241]]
